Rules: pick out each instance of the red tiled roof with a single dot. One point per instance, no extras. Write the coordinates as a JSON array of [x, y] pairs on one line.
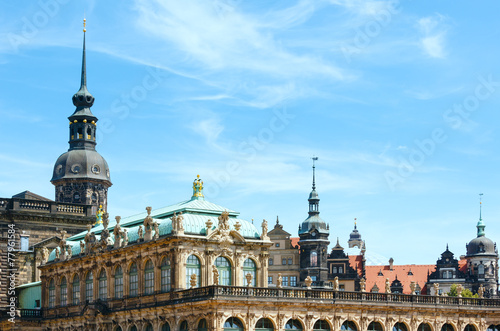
[[295, 241], [355, 262], [401, 271], [462, 265]]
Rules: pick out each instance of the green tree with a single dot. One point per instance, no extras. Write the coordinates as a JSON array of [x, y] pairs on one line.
[[466, 293]]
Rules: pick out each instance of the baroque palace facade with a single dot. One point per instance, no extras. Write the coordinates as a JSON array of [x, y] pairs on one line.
[[196, 265]]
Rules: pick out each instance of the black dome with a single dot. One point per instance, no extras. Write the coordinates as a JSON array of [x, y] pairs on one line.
[[81, 164], [481, 246]]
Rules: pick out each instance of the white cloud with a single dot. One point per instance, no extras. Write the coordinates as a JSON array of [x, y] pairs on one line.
[[433, 31]]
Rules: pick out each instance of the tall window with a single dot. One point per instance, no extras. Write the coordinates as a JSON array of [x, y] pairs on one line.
[[133, 281], [76, 290], [118, 282], [165, 275], [184, 326], [64, 292], [293, 325], [283, 261], [149, 278], [290, 260], [314, 259], [399, 327], [293, 280], [202, 325], [52, 294], [89, 287], [480, 269], [285, 280], [269, 279], [149, 327], [271, 261], [165, 327], [348, 326], [192, 267], [103, 285], [224, 268], [249, 268], [264, 324], [376, 326], [321, 325]]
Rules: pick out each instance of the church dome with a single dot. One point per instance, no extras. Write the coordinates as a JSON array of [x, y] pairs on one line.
[[481, 246], [81, 164], [314, 222], [355, 235]]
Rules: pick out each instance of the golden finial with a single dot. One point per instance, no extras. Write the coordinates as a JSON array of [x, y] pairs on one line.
[[198, 176], [84, 24]]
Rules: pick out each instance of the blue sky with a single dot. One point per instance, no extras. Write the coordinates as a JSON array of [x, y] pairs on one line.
[[399, 100]]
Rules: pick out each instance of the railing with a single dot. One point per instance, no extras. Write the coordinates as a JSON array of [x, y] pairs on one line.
[[52, 207], [324, 296], [31, 313]]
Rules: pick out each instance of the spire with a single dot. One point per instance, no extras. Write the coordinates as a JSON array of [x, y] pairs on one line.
[[480, 225], [83, 100], [313, 197]]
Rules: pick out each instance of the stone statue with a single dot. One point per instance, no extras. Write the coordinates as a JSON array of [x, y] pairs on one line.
[[249, 278], [308, 282], [69, 252], [124, 237], [436, 289], [279, 281], [82, 247], [215, 272], [387, 286], [193, 281], [460, 288], [480, 291], [45, 255], [237, 226], [413, 287], [156, 226], [105, 220], [336, 283], [117, 233], [57, 253], [209, 225], [264, 230], [148, 225], [177, 226], [362, 285], [140, 233]]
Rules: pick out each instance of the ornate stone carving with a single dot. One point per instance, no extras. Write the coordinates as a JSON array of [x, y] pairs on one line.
[[148, 225], [308, 282], [460, 288], [362, 285], [215, 272], [193, 280], [336, 283], [140, 233], [480, 291], [156, 226], [279, 281], [237, 226], [264, 235], [387, 286], [413, 287], [249, 278], [436, 288], [82, 247], [45, 255], [209, 225], [177, 225]]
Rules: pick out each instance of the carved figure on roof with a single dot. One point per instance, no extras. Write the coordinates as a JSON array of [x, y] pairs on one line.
[[387, 286], [308, 282], [279, 281], [148, 225], [480, 291], [362, 285], [264, 230], [460, 288], [224, 221], [45, 255], [140, 233], [82, 247], [436, 288], [105, 220], [336, 283], [57, 253], [237, 226], [177, 226], [198, 187], [124, 237], [156, 226], [413, 287], [90, 240], [69, 252], [117, 233]]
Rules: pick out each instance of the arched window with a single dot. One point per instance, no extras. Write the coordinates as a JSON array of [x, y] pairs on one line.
[[76, 290], [64, 292], [321, 325], [493, 328], [52, 294], [264, 324], [349, 326], [314, 259], [89, 133], [293, 325], [424, 327], [249, 268], [89, 287], [233, 324], [118, 328], [133, 281], [480, 269], [118, 282], [165, 327], [202, 325], [192, 267], [375, 326], [149, 278], [133, 328], [183, 326], [470, 327], [447, 327], [399, 327], [148, 327], [103, 285], [224, 268], [166, 279]]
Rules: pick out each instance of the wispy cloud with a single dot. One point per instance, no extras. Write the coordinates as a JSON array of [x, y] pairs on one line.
[[433, 31]]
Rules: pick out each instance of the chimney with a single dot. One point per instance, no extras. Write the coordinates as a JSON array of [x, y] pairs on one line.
[[391, 264]]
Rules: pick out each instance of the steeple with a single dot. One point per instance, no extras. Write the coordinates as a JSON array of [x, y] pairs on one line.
[[480, 224], [313, 197]]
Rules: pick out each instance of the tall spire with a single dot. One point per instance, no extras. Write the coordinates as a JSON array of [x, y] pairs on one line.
[[83, 100], [480, 224], [314, 158]]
